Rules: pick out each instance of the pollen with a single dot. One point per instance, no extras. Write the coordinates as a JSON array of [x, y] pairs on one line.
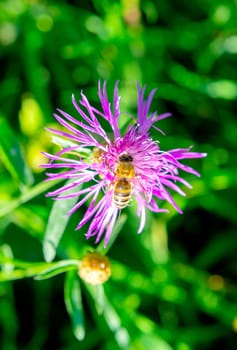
[[94, 268], [97, 155]]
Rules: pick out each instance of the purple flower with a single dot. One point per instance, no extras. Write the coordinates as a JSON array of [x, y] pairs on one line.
[[111, 172]]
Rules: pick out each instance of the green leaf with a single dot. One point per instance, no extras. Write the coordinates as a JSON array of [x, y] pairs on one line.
[[113, 320], [8, 318], [97, 294], [72, 295], [6, 255], [15, 274], [57, 268], [17, 269], [152, 341], [57, 223], [12, 155]]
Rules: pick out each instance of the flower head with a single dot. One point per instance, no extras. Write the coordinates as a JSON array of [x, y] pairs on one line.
[[122, 168], [94, 268]]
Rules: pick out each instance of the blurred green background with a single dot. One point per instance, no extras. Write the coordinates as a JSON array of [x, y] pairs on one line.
[[174, 286]]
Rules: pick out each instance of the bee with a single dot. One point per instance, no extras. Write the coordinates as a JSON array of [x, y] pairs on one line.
[[125, 168], [122, 187]]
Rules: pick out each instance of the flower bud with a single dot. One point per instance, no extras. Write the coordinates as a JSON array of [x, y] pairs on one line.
[[94, 268]]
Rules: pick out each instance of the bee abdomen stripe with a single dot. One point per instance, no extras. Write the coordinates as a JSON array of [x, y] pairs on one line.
[[121, 200]]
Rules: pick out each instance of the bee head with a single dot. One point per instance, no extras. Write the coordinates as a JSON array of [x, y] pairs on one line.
[[125, 157]]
